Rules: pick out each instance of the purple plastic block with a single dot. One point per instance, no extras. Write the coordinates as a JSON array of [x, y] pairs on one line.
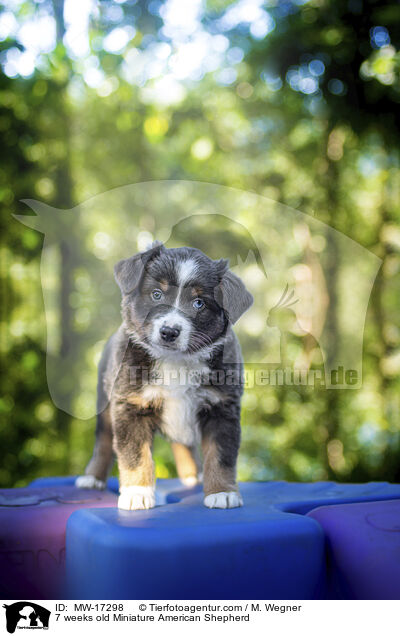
[[363, 549], [32, 537]]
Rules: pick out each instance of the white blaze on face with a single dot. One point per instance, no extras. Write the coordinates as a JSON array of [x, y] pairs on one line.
[[185, 271]]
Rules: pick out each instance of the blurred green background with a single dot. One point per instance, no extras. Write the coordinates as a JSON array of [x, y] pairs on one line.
[[296, 101]]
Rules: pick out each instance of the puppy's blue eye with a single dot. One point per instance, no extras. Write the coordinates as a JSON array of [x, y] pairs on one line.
[[198, 303], [156, 294]]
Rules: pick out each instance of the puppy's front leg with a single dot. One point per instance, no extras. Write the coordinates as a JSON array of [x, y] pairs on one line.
[[133, 440], [220, 444]]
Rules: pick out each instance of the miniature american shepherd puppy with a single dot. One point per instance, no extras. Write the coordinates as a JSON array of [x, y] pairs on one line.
[[173, 367]]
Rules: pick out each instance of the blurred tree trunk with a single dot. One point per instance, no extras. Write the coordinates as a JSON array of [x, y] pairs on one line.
[[377, 303], [332, 273], [390, 461], [64, 199]]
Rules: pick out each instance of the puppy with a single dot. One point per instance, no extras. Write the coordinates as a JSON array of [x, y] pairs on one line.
[[165, 371]]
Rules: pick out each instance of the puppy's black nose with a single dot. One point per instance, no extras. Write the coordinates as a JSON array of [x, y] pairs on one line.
[[169, 334]]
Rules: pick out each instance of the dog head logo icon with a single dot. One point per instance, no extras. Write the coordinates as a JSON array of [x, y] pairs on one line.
[[26, 615]]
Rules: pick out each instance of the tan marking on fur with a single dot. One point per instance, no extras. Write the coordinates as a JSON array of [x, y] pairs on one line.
[[216, 478], [138, 400], [136, 322], [196, 291], [185, 460], [142, 475], [164, 284]]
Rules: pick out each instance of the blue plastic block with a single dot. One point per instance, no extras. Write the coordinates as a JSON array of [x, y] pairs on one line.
[[68, 480], [267, 549], [179, 552], [32, 537], [363, 549], [168, 490], [297, 498]]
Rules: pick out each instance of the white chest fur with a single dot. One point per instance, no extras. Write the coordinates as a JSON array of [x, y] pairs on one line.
[[178, 386]]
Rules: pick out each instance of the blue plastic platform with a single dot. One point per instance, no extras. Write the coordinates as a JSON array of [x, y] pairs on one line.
[[168, 490], [32, 537], [363, 549], [267, 549]]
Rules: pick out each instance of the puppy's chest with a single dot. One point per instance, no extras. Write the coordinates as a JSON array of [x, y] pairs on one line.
[[177, 389]]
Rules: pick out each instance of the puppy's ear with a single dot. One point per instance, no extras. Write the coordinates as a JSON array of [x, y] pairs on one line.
[[129, 271], [221, 267], [231, 294]]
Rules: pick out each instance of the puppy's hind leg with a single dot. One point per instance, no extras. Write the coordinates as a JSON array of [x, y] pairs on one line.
[[103, 456], [188, 464]]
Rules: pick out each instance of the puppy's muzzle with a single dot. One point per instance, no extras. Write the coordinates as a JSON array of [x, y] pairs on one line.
[[169, 334]]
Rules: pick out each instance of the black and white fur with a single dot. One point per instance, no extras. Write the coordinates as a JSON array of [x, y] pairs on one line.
[[178, 307]]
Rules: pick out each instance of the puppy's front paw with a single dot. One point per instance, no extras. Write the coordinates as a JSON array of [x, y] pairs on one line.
[[231, 499], [136, 498], [89, 481]]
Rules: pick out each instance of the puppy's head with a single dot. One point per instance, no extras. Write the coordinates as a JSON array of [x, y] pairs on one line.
[[179, 301]]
